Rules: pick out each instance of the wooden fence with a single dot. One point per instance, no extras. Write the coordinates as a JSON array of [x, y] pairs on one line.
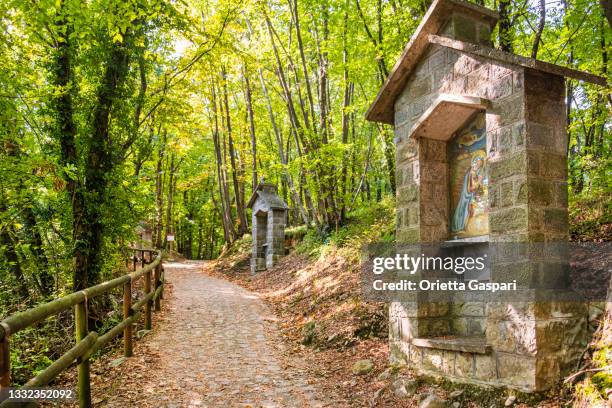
[[87, 342]]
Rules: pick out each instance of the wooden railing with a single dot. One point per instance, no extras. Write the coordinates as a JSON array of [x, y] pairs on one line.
[[87, 342]]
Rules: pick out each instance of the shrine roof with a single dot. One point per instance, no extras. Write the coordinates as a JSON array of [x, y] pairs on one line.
[[382, 109], [267, 193]]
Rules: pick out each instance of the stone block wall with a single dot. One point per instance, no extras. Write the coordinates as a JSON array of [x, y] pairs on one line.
[[533, 343], [276, 236], [259, 222], [466, 28]]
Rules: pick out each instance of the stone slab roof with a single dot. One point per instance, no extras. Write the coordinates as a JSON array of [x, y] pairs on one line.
[[446, 115], [382, 109], [267, 193], [513, 59]]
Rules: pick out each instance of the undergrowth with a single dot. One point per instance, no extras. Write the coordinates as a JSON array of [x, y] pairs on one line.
[[591, 218], [365, 225]]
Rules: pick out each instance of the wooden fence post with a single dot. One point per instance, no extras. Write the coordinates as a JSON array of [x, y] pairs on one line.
[[83, 384], [156, 278], [161, 273], [147, 290], [134, 260], [142, 259], [5, 362], [127, 312]]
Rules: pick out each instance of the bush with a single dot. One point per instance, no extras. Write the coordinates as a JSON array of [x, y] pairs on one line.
[[374, 222]]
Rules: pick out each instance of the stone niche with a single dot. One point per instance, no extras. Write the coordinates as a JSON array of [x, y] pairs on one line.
[[481, 156], [269, 220]]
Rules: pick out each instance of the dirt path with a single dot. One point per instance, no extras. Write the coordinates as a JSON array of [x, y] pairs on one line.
[[217, 346]]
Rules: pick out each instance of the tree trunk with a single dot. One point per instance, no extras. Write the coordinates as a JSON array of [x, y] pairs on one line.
[[12, 260], [348, 86], [297, 129], [101, 160], [62, 79], [325, 173], [296, 18], [389, 151], [505, 34], [243, 227], [169, 199], [229, 233], [200, 243], [279, 142], [36, 241], [212, 242], [159, 193], [249, 105], [538, 35], [606, 5], [383, 73]]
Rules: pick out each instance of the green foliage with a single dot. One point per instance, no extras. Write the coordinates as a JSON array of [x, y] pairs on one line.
[[591, 217], [34, 348], [368, 224]]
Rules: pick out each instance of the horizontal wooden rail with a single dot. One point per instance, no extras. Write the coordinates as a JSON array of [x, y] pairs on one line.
[[56, 368], [142, 302], [108, 336], [20, 321], [86, 343]]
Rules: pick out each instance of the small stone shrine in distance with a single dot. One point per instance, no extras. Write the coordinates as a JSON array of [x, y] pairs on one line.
[[481, 156], [268, 225]]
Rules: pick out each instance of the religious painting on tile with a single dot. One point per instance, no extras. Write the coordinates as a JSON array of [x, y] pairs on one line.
[[469, 181]]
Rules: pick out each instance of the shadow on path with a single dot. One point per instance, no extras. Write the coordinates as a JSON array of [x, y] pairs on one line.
[[214, 347]]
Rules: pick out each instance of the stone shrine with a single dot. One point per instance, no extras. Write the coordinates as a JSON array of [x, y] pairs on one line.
[[268, 221], [482, 156]]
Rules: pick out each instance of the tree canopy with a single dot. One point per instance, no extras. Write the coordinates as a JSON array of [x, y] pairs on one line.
[[163, 114]]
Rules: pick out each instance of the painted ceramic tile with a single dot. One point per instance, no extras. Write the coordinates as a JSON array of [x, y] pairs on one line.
[[469, 181]]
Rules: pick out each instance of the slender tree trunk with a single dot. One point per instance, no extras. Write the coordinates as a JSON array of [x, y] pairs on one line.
[[279, 142], [169, 200], [187, 226], [200, 243], [328, 186], [144, 152], [213, 241], [243, 227], [225, 208], [538, 35], [604, 72], [13, 262], [36, 241], [382, 66], [44, 280], [286, 89], [159, 193], [345, 116], [296, 18], [249, 105], [297, 130], [505, 33]]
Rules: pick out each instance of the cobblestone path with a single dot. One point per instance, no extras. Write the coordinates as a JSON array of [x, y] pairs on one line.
[[217, 347]]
